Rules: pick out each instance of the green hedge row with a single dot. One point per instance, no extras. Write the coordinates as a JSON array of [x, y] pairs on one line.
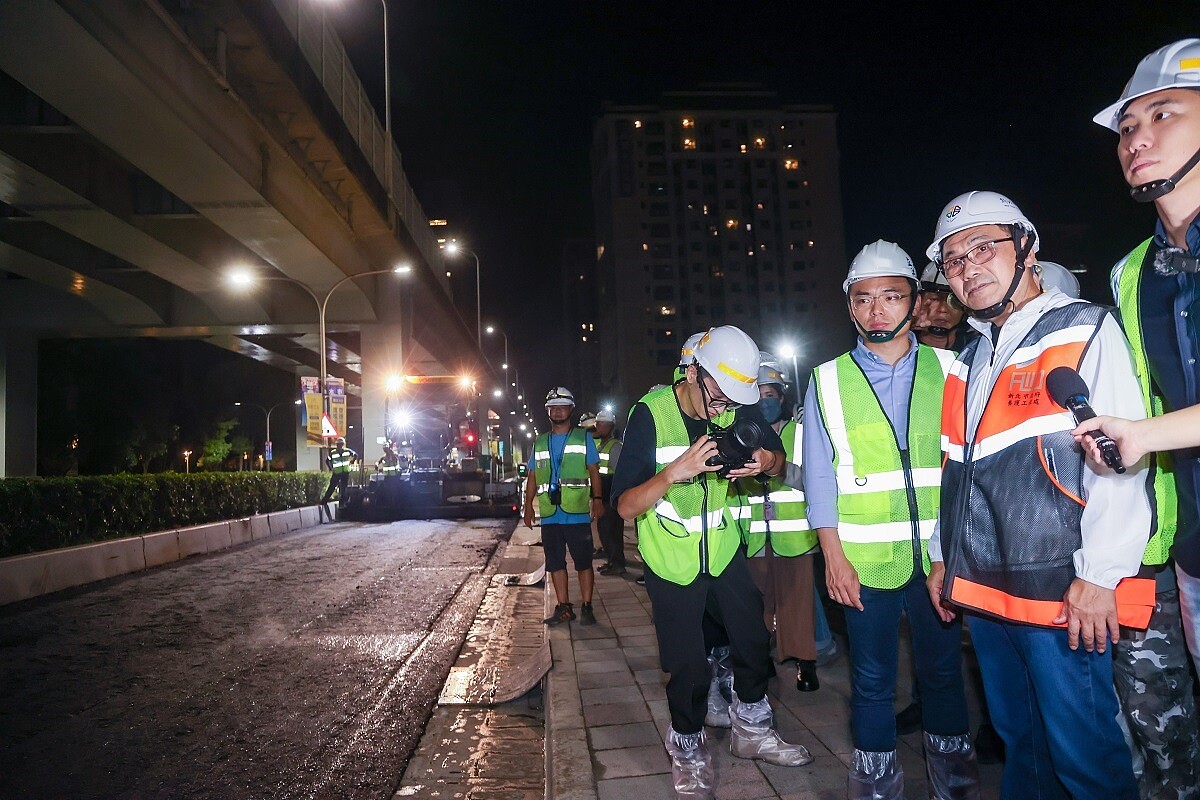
[[46, 513]]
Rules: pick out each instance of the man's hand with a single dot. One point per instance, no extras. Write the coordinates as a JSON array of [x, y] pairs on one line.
[[597, 509], [1090, 613], [842, 580], [690, 462], [937, 577], [528, 517], [762, 461]]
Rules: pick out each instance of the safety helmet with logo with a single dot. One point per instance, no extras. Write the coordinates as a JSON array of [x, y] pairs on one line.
[[882, 259], [1056, 276], [973, 209], [770, 371], [932, 279], [730, 356], [560, 396], [1175, 66], [606, 415], [687, 354]]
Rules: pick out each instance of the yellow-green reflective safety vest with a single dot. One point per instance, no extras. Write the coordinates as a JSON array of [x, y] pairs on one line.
[[887, 498], [339, 460], [605, 451], [391, 469], [573, 477], [789, 530], [1125, 279], [690, 530]]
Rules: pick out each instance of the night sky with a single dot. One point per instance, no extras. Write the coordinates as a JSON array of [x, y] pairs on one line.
[[493, 106]]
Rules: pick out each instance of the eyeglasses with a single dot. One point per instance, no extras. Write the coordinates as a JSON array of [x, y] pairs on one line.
[[890, 300], [979, 254], [719, 404]]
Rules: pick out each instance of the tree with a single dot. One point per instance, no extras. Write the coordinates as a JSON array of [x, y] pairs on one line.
[[217, 446]]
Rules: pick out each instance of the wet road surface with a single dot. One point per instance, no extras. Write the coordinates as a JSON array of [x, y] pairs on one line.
[[298, 667]]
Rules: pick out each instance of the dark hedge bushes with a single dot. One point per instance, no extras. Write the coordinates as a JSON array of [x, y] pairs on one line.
[[45, 513]]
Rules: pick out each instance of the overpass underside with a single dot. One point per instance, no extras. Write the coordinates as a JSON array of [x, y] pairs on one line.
[[147, 149]]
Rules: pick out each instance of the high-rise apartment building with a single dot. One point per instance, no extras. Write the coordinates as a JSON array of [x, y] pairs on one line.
[[715, 208]]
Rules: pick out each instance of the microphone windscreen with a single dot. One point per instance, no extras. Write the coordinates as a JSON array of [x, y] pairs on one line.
[[1064, 383]]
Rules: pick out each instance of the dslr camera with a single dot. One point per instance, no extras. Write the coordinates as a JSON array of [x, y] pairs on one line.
[[735, 445]]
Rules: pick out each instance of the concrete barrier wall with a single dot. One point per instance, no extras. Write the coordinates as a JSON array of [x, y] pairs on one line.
[[23, 577]]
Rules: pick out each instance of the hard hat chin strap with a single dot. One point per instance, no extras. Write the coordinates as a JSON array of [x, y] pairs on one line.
[[879, 337], [993, 311], [1149, 192]]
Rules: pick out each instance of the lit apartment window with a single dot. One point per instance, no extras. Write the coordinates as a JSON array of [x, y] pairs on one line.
[[637, 123], [585, 338], [791, 163], [667, 311], [749, 226], [811, 243], [591, 326], [583, 327], [760, 206], [742, 148], [688, 122], [645, 246], [706, 208], [759, 142], [689, 144], [805, 183], [731, 223]]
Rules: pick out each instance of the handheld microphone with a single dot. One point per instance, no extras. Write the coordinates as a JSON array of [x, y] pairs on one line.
[[1067, 389]]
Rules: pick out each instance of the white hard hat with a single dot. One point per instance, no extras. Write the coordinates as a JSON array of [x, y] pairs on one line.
[[559, 396], [932, 279], [770, 370], [880, 259], [606, 416], [972, 209], [688, 354], [1056, 276], [1176, 65], [731, 357]]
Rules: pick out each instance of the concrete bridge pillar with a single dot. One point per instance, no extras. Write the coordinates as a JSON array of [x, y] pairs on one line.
[[382, 356], [18, 403]]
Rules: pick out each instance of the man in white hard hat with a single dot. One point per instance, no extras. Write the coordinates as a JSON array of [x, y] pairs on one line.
[[683, 445], [1035, 546], [1157, 291], [565, 483], [687, 354], [872, 458], [938, 320], [611, 526]]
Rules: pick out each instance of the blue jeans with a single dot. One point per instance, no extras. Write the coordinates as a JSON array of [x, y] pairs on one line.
[[1056, 710], [874, 636]]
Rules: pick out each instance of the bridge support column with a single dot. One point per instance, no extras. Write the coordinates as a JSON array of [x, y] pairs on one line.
[[307, 458], [18, 403], [382, 356]]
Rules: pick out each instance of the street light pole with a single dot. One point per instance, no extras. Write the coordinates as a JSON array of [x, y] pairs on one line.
[[243, 279], [267, 413], [454, 248], [493, 329], [387, 96]]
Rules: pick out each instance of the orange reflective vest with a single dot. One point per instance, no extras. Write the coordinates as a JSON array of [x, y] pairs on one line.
[[1012, 495]]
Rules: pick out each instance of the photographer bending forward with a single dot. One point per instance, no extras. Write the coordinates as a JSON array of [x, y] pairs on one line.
[[673, 478]]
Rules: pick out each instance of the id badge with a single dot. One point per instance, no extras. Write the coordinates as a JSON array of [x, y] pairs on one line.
[[769, 510]]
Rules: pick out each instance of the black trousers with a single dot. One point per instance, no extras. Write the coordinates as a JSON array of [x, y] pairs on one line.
[[612, 536], [337, 481], [736, 604]]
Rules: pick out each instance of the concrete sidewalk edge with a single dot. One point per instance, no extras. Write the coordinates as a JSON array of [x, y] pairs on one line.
[[569, 773]]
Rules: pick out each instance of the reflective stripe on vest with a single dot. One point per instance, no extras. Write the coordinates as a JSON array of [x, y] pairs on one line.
[[339, 460], [789, 530], [690, 530], [1127, 276], [878, 485], [1021, 467], [605, 456], [573, 479]]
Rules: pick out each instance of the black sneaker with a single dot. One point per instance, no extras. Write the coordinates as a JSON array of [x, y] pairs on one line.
[[562, 613], [586, 617]]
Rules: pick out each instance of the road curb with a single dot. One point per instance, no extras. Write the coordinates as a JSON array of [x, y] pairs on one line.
[[35, 574]]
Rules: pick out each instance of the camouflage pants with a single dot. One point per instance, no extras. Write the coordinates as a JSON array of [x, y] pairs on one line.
[[1150, 670]]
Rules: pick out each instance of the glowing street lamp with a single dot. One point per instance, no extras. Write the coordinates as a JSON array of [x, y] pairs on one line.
[[244, 280], [187, 461], [267, 413], [454, 248], [787, 350]]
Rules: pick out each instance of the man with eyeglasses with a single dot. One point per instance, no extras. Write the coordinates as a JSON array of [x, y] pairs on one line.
[[872, 458], [1157, 291], [670, 481], [1037, 548]]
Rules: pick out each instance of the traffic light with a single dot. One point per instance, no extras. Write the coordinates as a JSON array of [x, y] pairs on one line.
[[470, 437]]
